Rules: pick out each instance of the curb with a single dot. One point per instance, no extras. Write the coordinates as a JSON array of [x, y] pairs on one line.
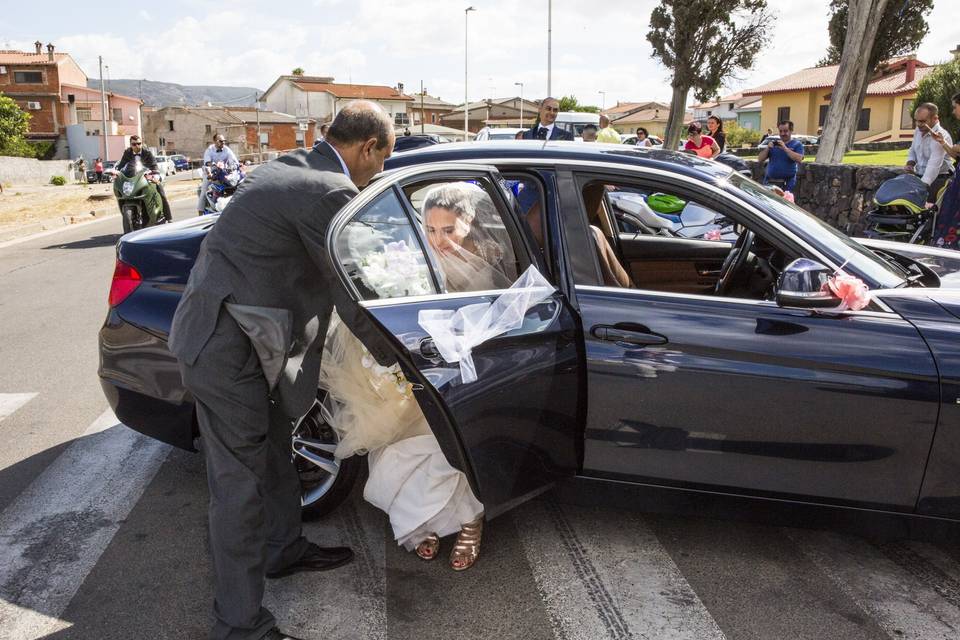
[[58, 223]]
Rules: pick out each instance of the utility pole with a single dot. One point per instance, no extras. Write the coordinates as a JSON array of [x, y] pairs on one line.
[[256, 97], [466, 100], [422, 116], [549, 45], [103, 112], [520, 84], [603, 103]]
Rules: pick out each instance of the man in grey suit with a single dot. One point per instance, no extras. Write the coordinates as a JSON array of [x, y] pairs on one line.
[[249, 334], [546, 128]]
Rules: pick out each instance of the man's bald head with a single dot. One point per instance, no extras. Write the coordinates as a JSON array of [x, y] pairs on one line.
[[361, 120], [362, 133]]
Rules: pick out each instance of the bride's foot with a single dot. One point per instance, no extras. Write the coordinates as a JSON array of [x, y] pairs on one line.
[[427, 550], [467, 548]]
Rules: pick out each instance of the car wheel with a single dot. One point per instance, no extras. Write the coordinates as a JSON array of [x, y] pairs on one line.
[[325, 481]]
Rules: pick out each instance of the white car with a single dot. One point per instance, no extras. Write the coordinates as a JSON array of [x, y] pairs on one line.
[[497, 133], [575, 121], [165, 165]]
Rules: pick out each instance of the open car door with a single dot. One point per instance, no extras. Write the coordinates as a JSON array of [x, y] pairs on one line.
[[516, 428]]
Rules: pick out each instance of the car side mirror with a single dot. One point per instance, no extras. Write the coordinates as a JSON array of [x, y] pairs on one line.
[[802, 285]]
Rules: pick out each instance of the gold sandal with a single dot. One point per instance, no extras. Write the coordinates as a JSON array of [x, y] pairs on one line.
[[427, 550], [467, 548]]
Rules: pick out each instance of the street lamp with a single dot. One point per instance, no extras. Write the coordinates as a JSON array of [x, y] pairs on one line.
[[549, 44], [603, 101], [520, 84], [466, 100]]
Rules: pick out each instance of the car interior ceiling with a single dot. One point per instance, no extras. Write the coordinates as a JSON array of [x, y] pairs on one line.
[[660, 259]]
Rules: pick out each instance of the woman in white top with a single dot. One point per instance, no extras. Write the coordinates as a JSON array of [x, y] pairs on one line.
[[643, 138], [373, 410]]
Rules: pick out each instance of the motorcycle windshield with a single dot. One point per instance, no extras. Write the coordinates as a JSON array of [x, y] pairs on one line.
[[132, 168]]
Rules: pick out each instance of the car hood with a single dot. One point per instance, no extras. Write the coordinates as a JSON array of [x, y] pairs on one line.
[[944, 262], [919, 303]]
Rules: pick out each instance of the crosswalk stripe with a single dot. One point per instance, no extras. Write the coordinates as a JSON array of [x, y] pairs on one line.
[[10, 402], [907, 595], [601, 582], [52, 535]]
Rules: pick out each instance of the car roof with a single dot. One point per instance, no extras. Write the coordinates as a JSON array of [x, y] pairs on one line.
[[544, 152]]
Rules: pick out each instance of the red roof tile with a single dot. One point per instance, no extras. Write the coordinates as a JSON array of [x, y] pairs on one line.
[[370, 91], [21, 57], [825, 77]]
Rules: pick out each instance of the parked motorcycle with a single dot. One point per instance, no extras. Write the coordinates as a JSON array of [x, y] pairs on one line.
[[135, 188], [222, 183], [901, 212]]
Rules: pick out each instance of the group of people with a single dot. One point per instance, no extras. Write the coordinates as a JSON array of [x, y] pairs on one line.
[[932, 158]]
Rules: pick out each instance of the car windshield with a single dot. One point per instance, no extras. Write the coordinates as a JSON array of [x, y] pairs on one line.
[[838, 247]]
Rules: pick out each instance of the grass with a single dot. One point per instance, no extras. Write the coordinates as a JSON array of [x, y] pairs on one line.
[[896, 158]]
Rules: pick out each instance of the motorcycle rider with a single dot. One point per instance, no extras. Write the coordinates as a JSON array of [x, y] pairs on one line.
[[216, 152], [131, 154]]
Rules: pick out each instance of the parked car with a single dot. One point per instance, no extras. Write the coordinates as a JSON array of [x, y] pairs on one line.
[[165, 165], [107, 175], [416, 141], [499, 133], [656, 142], [725, 372], [575, 121], [806, 140], [180, 162]]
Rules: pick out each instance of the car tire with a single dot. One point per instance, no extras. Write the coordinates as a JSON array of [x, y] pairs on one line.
[[322, 491]]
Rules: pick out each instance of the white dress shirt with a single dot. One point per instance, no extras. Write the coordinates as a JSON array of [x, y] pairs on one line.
[[343, 164], [225, 155], [549, 129], [930, 158]]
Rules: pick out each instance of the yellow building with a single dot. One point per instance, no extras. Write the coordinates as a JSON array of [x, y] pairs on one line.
[[804, 97]]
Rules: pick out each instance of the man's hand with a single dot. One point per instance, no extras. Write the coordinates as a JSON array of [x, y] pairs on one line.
[[908, 168]]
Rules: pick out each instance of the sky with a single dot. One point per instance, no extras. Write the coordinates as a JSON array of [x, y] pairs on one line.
[[597, 47]]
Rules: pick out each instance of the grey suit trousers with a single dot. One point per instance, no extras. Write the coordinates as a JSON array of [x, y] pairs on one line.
[[254, 488]]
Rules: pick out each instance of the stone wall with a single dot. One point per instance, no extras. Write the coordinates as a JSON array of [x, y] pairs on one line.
[[31, 171], [839, 194], [811, 149]]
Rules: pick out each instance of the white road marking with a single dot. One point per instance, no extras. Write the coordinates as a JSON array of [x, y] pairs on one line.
[[902, 591], [10, 402], [52, 535], [601, 582]]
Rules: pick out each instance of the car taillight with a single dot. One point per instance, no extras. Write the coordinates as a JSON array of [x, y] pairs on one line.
[[125, 280]]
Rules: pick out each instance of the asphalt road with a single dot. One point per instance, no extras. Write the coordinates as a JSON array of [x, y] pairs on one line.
[[102, 531]]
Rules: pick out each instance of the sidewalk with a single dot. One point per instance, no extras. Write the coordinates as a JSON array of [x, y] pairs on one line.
[[25, 210]]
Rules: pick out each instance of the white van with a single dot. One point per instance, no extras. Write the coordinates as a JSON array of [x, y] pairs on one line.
[[575, 121]]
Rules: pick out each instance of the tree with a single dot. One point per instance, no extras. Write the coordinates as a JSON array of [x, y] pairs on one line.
[[14, 124], [298, 71], [902, 29], [846, 99], [570, 103], [939, 88], [704, 43]]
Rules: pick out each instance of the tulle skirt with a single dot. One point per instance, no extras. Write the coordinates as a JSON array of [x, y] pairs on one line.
[[373, 411]]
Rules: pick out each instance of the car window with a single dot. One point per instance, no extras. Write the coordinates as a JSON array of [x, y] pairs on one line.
[[432, 236]]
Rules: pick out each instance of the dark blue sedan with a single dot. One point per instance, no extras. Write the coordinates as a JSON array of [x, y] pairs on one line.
[[680, 354]]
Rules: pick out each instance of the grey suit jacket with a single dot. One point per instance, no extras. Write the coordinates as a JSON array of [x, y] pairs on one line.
[[265, 262]]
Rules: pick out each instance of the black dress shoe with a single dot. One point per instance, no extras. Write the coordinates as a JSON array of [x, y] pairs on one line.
[[316, 558], [276, 634]]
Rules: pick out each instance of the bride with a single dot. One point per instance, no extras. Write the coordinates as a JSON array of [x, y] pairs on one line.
[[372, 407]]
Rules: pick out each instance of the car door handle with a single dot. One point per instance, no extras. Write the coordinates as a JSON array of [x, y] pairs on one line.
[[637, 335], [429, 350]]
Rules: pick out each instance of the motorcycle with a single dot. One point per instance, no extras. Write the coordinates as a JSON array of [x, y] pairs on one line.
[[901, 212], [135, 188], [222, 183]]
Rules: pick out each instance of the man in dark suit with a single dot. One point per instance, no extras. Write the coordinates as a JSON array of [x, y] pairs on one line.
[[546, 128], [249, 334]]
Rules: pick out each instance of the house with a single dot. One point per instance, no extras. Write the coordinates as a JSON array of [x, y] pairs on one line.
[[52, 88], [726, 108], [627, 117], [493, 112], [320, 98], [804, 97], [190, 130], [748, 112], [428, 109]]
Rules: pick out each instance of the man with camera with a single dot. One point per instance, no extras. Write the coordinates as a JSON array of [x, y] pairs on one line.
[[785, 155]]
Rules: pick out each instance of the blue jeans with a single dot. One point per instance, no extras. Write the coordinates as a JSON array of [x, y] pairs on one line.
[[790, 183]]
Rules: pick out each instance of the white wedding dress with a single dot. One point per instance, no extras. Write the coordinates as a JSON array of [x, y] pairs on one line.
[[373, 410]]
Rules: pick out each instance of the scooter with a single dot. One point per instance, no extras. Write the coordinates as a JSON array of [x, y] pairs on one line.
[[135, 188], [222, 183], [901, 212]]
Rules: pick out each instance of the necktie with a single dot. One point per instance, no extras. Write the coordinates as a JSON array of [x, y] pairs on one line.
[[542, 133]]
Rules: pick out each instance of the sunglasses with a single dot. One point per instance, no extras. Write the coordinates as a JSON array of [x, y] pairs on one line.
[[135, 144], [552, 109]]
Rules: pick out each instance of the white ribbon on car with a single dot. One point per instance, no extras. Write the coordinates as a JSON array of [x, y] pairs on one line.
[[456, 332]]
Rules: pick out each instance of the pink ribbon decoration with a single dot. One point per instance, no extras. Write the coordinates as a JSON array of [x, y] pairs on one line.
[[853, 293], [713, 234], [788, 196]]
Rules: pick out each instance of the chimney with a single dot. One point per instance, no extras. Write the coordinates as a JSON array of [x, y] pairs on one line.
[[50, 52], [39, 46], [911, 69], [956, 53], [399, 87]]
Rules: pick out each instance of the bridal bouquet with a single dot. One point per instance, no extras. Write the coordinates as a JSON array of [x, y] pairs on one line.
[[386, 377], [395, 270]]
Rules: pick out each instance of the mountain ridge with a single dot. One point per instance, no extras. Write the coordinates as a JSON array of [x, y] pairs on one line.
[[165, 94]]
